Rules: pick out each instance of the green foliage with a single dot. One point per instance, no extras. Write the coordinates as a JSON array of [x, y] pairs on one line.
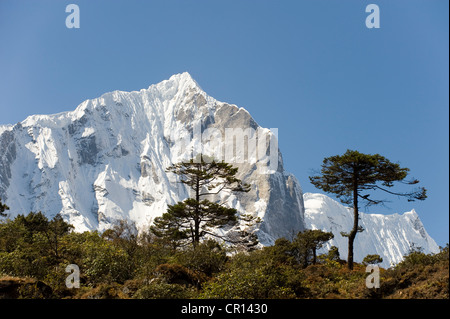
[[350, 175], [30, 245], [189, 221], [33, 246], [253, 277], [281, 252], [302, 250], [443, 255], [246, 283], [104, 262], [419, 275], [341, 174], [307, 242], [416, 257], [24, 288], [105, 291], [121, 264], [372, 259], [205, 172], [333, 254], [208, 257], [162, 290], [178, 274], [152, 251]]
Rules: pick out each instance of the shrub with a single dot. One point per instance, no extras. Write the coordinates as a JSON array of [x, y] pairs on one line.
[[245, 283], [177, 274], [103, 262], [105, 291], [254, 275], [24, 288], [208, 257], [372, 259], [416, 258], [161, 290]]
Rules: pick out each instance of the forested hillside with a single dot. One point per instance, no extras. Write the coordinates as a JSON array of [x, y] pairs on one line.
[[35, 251]]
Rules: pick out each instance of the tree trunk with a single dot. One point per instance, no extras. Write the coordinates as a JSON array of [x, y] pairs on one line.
[[354, 231], [197, 213], [196, 232]]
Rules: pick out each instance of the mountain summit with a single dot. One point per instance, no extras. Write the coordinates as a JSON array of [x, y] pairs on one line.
[[106, 161]]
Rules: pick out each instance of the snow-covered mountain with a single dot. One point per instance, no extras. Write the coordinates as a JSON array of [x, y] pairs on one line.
[[390, 236], [106, 160]]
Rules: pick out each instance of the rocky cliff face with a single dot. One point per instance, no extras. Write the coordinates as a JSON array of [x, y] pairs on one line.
[[106, 160]]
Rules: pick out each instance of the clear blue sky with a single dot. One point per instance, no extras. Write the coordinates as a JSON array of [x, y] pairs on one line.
[[309, 68]]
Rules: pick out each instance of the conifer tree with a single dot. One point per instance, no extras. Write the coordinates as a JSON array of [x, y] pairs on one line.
[[372, 259], [192, 219], [308, 242], [352, 174]]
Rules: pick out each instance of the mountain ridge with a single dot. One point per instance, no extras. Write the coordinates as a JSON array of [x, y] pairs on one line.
[[106, 161]]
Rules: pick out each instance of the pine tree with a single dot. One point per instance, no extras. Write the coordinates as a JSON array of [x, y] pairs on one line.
[[354, 173], [192, 219], [372, 259], [53, 230], [308, 242]]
